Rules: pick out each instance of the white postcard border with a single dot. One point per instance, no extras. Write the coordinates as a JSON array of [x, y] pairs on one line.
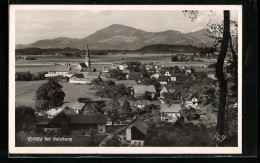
[[118, 150]]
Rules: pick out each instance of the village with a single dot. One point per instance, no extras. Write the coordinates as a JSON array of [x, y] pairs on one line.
[[140, 95]]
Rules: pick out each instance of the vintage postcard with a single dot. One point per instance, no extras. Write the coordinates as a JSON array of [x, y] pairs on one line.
[[121, 79]]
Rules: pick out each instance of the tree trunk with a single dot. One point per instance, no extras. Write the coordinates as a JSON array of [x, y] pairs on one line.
[[220, 129], [234, 61]]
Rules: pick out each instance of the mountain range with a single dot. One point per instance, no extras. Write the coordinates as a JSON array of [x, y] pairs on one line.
[[121, 37]]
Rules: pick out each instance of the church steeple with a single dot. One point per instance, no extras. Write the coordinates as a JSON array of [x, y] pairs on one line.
[[87, 59]]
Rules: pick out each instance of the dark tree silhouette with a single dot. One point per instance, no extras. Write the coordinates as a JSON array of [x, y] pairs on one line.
[[49, 95]]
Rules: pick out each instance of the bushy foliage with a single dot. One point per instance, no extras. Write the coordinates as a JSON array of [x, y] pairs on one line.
[[115, 91], [188, 135], [115, 73], [49, 95], [28, 76], [24, 117]]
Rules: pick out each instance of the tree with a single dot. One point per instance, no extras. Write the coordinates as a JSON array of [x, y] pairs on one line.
[[114, 73], [220, 129], [24, 117], [49, 95], [175, 59], [112, 110], [149, 81]]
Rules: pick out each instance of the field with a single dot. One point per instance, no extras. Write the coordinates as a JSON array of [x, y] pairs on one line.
[[25, 92], [98, 61]]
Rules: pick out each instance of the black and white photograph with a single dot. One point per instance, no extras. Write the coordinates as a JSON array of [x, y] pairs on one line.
[[125, 79]]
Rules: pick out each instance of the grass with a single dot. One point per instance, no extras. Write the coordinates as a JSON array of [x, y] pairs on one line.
[[25, 92]]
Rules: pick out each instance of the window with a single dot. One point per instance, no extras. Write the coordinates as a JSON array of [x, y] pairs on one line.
[[139, 143], [100, 130]]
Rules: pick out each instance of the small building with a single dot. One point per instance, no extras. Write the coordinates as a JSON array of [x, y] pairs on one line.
[[76, 107], [84, 77], [155, 76], [167, 89], [192, 100], [137, 76], [170, 113], [136, 133], [55, 71], [211, 75], [140, 90], [163, 80], [85, 122]]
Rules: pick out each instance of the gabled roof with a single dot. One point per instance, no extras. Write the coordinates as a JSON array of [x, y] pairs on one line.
[[173, 108], [83, 65], [189, 97], [141, 126], [141, 89], [59, 68], [127, 83], [75, 105], [54, 111], [68, 111], [170, 88], [91, 74], [88, 119]]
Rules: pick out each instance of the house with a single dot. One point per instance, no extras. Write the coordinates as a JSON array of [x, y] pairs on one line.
[[155, 76], [127, 83], [137, 76], [85, 122], [163, 80], [142, 103], [167, 89], [60, 124], [192, 100], [53, 112], [135, 133], [81, 66], [140, 90], [170, 113], [84, 77], [76, 107], [211, 75], [122, 66], [59, 70]]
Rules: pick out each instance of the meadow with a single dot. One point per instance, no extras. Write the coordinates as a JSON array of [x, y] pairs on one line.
[[25, 92]]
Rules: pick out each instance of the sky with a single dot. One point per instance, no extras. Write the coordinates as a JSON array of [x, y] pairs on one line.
[[34, 25]]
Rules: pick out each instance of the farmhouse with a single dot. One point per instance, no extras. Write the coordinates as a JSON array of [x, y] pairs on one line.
[[84, 77], [163, 80], [155, 76], [85, 122], [55, 71], [60, 124], [136, 133], [170, 113], [140, 90]]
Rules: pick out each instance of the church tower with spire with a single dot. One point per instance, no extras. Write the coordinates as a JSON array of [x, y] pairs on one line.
[[87, 59]]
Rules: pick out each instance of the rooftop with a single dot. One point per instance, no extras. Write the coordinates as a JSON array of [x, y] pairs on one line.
[[173, 108], [141, 89], [88, 119]]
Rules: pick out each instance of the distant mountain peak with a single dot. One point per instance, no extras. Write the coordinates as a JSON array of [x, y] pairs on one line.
[[120, 37]]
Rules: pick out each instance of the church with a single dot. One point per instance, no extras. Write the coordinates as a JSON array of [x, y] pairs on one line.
[[84, 73], [85, 66]]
